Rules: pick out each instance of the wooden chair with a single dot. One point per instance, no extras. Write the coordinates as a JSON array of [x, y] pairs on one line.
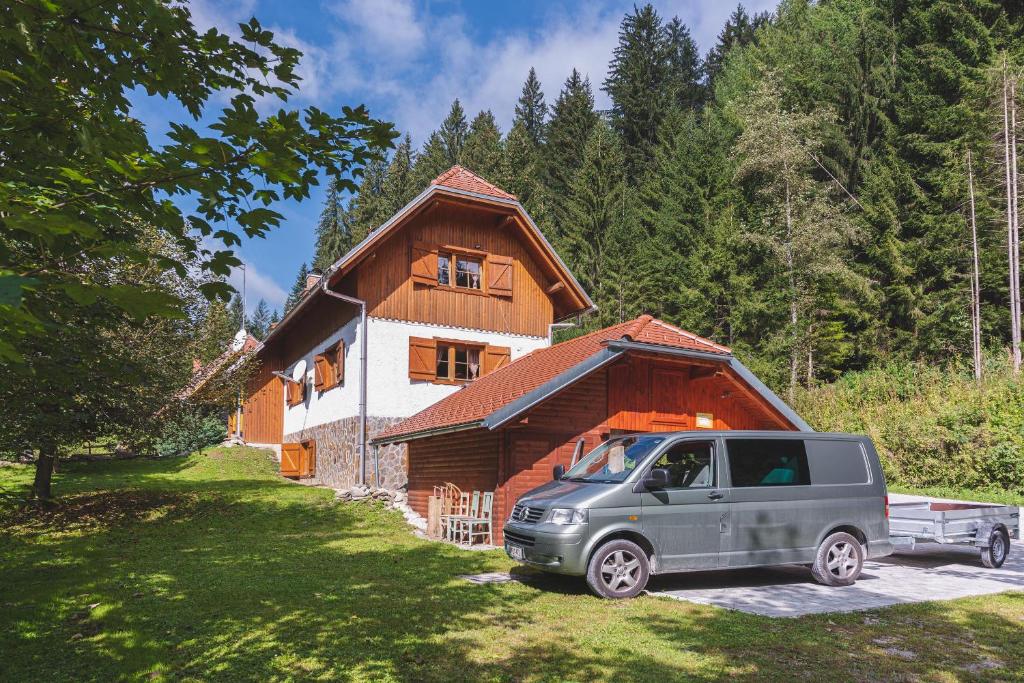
[[481, 521], [455, 522], [451, 504]]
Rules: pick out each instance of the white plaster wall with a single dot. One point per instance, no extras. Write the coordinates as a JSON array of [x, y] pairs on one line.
[[391, 393]]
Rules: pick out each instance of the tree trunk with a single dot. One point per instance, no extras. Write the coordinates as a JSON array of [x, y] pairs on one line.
[[1011, 221], [794, 354], [975, 278], [44, 473], [1015, 227]]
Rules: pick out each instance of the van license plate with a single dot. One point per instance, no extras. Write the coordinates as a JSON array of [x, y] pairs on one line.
[[515, 552]]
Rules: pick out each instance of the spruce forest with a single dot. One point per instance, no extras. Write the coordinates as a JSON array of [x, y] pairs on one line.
[[801, 193]]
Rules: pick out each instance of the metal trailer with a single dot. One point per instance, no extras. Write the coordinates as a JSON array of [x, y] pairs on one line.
[[985, 526]]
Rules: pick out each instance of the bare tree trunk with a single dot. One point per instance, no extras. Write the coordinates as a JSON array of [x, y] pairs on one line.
[[44, 473], [975, 278], [1011, 222], [794, 355], [1015, 226]]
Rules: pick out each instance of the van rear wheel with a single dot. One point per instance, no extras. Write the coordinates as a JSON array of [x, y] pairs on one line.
[[839, 561], [618, 569]]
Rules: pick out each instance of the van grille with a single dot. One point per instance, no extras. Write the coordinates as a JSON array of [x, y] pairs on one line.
[[522, 513], [519, 539]]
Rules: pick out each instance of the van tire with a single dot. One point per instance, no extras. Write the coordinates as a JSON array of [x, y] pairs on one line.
[[618, 569], [839, 560], [998, 548]]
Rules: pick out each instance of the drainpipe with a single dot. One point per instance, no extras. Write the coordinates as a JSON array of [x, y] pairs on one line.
[[556, 326], [362, 371]]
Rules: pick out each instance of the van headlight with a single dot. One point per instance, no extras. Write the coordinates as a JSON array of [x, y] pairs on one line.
[[568, 516]]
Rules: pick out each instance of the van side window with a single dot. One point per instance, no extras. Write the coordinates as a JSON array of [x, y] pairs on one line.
[[836, 461], [767, 462], [688, 465]]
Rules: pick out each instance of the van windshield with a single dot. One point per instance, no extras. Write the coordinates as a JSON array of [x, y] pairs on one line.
[[614, 460]]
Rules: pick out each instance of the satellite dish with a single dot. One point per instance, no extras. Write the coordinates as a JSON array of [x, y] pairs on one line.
[[239, 340], [299, 371]]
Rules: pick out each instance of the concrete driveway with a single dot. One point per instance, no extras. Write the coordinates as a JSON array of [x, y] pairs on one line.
[[929, 572]]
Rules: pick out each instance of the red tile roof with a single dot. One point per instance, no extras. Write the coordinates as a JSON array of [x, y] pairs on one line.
[[491, 392], [460, 178]]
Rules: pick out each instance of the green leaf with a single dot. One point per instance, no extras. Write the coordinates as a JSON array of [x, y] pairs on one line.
[[76, 176], [12, 288]]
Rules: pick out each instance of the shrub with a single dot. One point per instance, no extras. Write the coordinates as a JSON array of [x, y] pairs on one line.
[[932, 426], [190, 429]]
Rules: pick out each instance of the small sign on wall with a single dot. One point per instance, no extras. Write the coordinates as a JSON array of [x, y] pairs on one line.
[[705, 421]]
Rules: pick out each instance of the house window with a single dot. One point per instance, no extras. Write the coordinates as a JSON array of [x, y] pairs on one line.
[[457, 362], [456, 270], [329, 367]]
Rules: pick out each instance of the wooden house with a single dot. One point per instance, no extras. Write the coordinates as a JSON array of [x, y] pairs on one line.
[[457, 284], [506, 431]]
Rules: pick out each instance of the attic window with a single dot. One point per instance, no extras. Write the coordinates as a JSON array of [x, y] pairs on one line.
[[467, 271]]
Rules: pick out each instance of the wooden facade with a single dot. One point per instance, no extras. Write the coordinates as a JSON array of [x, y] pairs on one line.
[[635, 394], [263, 408], [386, 281]]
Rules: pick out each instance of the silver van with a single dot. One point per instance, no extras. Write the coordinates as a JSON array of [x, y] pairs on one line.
[[656, 503]]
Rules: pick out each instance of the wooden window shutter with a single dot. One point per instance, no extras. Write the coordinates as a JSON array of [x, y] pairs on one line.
[[291, 459], [307, 466], [422, 358], [424, 263], [499, 275], [321, 373], [496, 357], [339, 362]]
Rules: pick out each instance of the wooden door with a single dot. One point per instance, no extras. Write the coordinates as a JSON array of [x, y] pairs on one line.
[[669, 399], [291, 459]]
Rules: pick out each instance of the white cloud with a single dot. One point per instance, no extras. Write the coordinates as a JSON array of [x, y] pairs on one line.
[[257, 286], [224, 15], [390, 28]]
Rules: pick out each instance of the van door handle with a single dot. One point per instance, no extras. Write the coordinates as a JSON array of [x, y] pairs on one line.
[[715, 495]]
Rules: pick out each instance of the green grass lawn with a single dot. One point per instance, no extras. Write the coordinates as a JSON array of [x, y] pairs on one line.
[[211, 567]]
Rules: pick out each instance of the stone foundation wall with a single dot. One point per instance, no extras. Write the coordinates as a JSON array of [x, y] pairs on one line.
[[337, 453]]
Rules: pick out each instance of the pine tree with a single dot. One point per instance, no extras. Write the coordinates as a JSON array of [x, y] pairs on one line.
[[217, 331], [482, 150], [367, 208], [520, 172], [235, 313], [398, 189], [638, 83], [333, 235], [684, 67], [531, 111], [431, 162], [298, 289], [453, 133], [595, 203], [572, 120], [258, 324], [740, 29]]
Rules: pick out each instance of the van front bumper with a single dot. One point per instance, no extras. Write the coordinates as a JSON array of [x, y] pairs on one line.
[[559, 549]]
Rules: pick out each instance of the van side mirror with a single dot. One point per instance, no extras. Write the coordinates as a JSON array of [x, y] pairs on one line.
[[557, 471], [656, 479]]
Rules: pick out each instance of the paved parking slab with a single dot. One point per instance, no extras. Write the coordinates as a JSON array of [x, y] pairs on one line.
[[929, 572]]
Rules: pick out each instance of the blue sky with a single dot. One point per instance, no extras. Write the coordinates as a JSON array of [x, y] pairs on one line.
[[407, 60]]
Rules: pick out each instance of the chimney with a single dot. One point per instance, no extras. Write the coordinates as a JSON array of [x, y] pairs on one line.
[[312, 279]]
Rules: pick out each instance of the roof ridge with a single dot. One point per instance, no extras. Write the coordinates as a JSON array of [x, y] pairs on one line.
[[456, 178], [691, 335]]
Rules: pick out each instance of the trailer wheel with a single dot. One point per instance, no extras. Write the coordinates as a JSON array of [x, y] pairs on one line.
[[998, 548]]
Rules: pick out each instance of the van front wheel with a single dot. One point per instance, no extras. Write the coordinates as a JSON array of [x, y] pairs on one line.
[[618, 569], [839, 560]]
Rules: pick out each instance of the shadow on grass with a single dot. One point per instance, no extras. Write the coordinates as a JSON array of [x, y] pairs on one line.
[[230, 576]]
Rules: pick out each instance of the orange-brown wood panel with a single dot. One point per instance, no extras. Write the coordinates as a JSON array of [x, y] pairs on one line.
[[467, 459], [263, 408], [385, 280], [652, 395]]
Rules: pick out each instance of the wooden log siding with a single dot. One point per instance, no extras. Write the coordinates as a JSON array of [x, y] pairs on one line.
[[467, 459], [388, 279]]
